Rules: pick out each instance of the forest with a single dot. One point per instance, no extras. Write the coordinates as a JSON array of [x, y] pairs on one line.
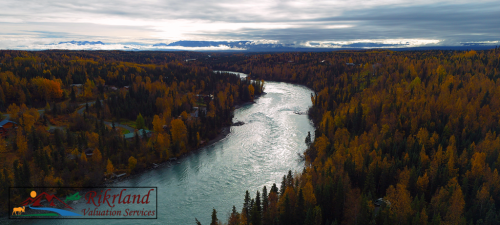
[[402, 137], [70, 109]]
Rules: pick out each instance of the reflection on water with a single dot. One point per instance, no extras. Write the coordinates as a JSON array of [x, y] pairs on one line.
[[255, 154]]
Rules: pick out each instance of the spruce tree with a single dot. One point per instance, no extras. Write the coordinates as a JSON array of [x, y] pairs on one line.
[[308, 139], [246, 203], [286, 215], [300, 213], [289, 179], [214, 218], [274, 188], [26, 174], [369, 184], [265, 201], [309, 217], [283, 186], [139, 122], [69, 139], [73, 95], [257, 215], [318, 216]]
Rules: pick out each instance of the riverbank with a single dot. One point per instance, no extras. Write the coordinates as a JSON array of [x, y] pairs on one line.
[[240, 158], [225, 131]]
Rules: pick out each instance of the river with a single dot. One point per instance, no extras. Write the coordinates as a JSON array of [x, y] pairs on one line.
[[255, 154]]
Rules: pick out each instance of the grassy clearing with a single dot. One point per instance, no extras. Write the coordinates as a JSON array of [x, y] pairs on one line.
[[129, 123]]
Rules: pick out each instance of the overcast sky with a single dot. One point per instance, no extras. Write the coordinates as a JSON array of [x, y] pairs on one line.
[[43, 24]]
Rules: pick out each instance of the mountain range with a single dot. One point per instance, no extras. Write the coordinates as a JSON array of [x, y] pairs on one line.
[[252, 46]]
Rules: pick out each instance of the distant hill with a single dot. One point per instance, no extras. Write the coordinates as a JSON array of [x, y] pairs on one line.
[[253, 46]]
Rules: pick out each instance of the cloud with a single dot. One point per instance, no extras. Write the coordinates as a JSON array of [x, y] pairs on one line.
[[297, 23], [98, 45]]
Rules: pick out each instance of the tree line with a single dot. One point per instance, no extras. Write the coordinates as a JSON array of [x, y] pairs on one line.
[[418, 130], [184, 104]]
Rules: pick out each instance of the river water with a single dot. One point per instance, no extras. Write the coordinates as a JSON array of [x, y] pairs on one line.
[[255, 154]]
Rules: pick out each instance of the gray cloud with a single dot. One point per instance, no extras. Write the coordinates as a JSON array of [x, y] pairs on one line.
[[288, 22]]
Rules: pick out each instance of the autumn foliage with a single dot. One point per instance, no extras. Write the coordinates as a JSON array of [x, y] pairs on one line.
[[70, 108], [418, 129]]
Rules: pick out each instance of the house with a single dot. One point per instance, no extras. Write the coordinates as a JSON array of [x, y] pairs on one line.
[[6, 126], [89, 152], [205, 97], [52, 130], [71, 156], [196, 113], [139, 132], [380, 204], [79, 88], [350, 64]]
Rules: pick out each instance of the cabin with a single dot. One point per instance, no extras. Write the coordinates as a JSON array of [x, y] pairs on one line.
[[139, 133], [71, 156], [77, 87], [205, 98], [6, 126], [196, 113], [380, 204], [89, 152]]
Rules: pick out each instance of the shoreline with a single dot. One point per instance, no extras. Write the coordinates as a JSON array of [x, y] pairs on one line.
[[225, 131]]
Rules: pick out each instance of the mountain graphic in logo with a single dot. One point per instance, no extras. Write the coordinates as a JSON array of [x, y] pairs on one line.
[[34, 201], [51, 199]]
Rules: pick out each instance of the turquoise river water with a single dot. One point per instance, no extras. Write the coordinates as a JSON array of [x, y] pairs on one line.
[[255, 154]]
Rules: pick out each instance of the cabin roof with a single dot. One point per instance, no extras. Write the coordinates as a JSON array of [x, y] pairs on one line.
[[3, 122], [132, 134]]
